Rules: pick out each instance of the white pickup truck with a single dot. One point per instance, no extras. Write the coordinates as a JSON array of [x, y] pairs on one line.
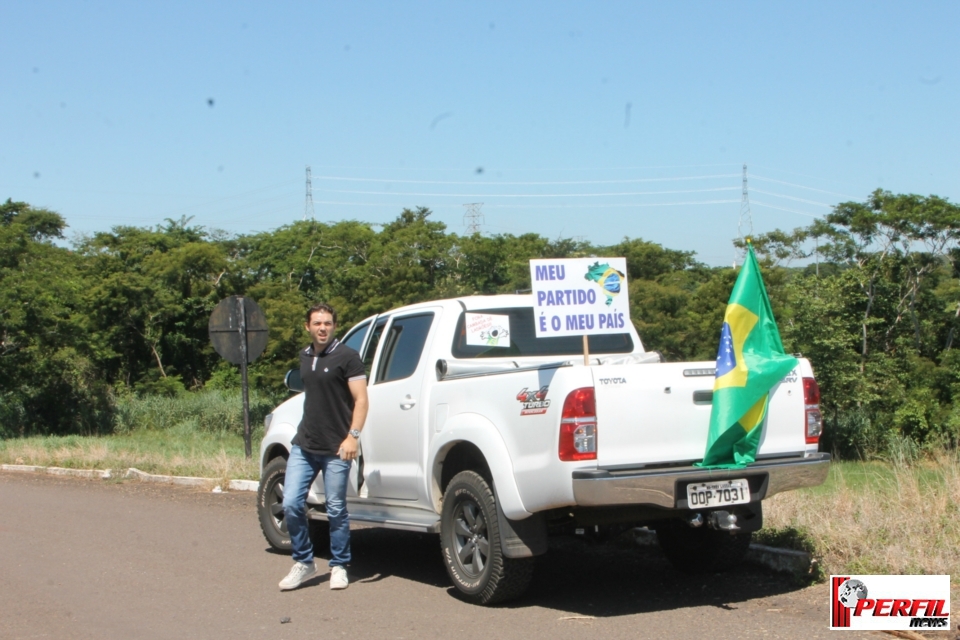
[[493, 447]]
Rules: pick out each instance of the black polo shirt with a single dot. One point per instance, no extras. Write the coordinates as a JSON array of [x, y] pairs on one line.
[[327, 401]]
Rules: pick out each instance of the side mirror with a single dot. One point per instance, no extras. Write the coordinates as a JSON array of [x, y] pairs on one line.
[[292, 380]]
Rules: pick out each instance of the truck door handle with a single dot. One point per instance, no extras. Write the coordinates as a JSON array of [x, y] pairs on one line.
[[702, 397], [407, 402]]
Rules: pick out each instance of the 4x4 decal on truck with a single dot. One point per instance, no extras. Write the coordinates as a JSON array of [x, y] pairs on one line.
[[533, 402]]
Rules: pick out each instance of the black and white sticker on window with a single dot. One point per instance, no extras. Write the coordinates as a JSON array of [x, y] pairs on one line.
[[487, 330]]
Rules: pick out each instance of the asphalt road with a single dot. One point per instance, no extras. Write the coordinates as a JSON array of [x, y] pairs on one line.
[[111, 559]]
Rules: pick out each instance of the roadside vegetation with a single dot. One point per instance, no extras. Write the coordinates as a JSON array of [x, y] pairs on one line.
[[900, 517], [189, 434], [179, 451]]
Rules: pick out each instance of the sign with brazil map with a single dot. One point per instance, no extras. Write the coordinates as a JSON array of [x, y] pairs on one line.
[[580, 296]]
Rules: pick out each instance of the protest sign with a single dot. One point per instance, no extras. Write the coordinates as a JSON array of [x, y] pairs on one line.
[[580, 296]]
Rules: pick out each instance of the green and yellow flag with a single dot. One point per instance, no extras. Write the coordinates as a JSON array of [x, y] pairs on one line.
[[750, 361]]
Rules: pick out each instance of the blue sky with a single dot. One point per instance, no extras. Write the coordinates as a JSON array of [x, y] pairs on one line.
[[584, 120]]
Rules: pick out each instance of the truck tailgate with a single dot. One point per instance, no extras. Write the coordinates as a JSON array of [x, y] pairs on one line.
[[654, 414]]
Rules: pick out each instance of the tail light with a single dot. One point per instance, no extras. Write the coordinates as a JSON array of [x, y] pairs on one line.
[[578, 426], [811, 401]]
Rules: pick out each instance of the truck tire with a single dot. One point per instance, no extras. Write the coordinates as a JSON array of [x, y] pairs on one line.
[[270, 509], [701, 550], [270, 505], [470, 542]]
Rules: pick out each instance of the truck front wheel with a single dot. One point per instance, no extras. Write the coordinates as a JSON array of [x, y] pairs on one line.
[[270, 509], [470, 542], [270, 505], [701, 549]]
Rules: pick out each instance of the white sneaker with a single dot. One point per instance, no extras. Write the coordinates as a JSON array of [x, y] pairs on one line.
[[338, 578], [300, 572]]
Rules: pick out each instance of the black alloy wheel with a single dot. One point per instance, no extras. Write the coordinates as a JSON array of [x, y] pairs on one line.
[[470, 532], [470, 542], [270, 505]]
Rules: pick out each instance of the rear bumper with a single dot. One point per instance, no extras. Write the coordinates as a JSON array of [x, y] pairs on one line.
[[667, 487]]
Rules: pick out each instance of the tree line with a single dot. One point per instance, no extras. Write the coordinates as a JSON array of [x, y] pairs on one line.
[[876, 307]]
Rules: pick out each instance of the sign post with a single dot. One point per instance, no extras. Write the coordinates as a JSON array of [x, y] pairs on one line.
[[243, 378], [580, 296], [238, 331]]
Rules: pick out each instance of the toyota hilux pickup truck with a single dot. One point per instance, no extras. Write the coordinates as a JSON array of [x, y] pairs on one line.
[[495, 446]]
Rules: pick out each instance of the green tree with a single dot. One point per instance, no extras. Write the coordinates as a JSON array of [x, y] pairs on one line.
[[406, 263], [48, 381], [150, 295], [877, 317]]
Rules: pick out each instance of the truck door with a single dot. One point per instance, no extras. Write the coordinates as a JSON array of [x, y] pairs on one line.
[[391, 437], [356, 339]]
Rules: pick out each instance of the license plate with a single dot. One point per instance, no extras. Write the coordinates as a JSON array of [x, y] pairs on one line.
[[717, 494]]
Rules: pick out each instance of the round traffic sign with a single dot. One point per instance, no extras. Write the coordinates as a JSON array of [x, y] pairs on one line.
[[229, 328]]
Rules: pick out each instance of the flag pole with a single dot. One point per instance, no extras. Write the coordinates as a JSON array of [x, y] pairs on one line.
[[586, 351]]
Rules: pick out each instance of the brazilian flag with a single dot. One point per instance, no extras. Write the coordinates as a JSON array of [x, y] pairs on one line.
[[750, 361]]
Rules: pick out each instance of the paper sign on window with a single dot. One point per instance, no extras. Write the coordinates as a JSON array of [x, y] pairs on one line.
[[487, 330]]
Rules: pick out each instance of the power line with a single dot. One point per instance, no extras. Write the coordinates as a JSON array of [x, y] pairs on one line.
[[540, 196], [800, 186], [533, 169], [625, 205], [779, 195], [163, 194], [522, 195], [172, 212], [540, 183], [770, 206], [804, 175]]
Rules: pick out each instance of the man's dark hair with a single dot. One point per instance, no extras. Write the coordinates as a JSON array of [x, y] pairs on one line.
[[322, 307]]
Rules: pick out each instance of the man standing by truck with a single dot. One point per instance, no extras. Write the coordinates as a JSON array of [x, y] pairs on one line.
[[334, 410]]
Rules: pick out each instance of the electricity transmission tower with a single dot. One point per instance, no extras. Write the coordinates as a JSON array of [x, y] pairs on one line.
[[308, 208], [745, 225], [472, 218]]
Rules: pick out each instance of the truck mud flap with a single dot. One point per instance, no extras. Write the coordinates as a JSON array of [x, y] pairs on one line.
[[522, 538]]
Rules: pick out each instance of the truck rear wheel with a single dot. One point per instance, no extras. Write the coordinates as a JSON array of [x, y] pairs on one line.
[[701, 549], [470, 542]]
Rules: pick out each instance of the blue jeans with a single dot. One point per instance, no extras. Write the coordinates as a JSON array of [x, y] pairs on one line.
[[302, 470]]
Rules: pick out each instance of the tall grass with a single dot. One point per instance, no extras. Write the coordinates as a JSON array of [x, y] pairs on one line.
[[212, 411], [192, 434], [875, 517], [180, 451]]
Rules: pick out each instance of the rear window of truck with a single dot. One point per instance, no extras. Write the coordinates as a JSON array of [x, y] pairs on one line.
[[524, 341]]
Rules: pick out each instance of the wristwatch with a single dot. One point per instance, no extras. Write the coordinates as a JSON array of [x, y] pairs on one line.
[[355, 433]]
